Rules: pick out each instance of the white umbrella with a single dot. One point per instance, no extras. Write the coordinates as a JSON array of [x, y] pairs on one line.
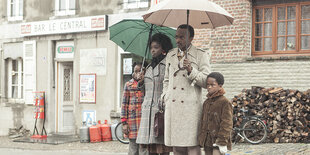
[[197, 13]]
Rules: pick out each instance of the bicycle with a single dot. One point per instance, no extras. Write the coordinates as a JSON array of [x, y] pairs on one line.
[[119, 134], [252, 129]]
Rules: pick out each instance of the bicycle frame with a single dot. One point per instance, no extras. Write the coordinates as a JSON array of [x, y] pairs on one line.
[[238, 130]]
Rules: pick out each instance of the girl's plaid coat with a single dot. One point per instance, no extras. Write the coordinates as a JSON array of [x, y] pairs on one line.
[[131, 107]]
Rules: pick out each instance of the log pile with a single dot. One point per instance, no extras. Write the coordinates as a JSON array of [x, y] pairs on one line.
[[287, 112]]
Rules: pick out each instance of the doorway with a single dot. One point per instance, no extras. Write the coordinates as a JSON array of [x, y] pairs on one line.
[[65, 108]]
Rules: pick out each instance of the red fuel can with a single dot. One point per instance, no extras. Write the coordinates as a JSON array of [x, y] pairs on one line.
[[94, 134], [106, 131]]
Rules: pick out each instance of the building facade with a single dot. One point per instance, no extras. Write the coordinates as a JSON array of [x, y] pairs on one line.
[[268, 45], [62, 47]]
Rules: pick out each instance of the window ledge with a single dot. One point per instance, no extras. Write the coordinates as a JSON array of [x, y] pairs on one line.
[[10, 104], [15, 18], [278, 57], [65, 13], [18, 101]]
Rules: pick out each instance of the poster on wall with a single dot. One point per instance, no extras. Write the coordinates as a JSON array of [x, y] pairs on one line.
[[127, 63], [93, 61], [89, 116], [87, 88]]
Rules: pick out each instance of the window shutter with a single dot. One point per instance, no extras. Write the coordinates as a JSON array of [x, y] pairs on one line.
[[29, 70]]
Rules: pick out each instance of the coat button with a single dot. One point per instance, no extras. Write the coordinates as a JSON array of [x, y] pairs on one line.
[[173, 100], [182, 101], [184, 75], [174, 87], [182, 88], [175, 74]]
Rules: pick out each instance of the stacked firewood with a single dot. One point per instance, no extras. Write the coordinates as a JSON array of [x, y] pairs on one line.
[[286, 112]]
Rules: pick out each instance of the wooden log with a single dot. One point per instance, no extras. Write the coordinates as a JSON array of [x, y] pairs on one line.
[[286, 111]]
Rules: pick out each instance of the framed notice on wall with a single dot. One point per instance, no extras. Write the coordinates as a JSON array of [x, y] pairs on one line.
[[89, 116], [87, 88], [127, 66]]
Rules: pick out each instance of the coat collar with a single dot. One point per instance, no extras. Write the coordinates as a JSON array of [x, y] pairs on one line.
[[162, 62], [151, 72], [190, 51]]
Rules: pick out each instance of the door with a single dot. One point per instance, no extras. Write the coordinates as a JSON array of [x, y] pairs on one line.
[[65, 106]]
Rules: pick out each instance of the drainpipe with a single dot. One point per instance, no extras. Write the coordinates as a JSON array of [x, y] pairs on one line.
[[1, 70]]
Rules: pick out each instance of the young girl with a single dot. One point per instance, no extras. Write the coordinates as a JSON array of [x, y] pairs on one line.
[[216, 123], [131, 109]]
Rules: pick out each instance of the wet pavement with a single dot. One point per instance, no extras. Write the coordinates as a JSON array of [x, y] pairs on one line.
[[55, 140], [117, 148], [271, 149]]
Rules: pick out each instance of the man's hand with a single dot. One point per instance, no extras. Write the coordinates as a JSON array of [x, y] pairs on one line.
[[187, 66], [125, 129], [223, 149]]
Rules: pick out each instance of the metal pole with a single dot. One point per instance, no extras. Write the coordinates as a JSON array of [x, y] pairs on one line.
[[187, 18], [147, 46]]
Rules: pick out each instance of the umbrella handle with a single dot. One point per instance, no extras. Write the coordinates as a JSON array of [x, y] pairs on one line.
[[187, 18]]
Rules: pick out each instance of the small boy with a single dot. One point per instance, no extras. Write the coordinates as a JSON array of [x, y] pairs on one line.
[[131, 109], [216, 123]]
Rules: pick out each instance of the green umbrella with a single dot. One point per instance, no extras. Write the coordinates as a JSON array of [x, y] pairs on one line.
[[133, 35]]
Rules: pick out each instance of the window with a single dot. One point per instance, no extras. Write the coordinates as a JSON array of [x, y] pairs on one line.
[[65, 7], [20, 71], [15, 10], [133, 4], [14, 74], [281, 29]]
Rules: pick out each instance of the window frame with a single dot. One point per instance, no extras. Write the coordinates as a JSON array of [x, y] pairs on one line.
[[65, 12], [136, 4], [19, 85], [275, 20], [17, 9]]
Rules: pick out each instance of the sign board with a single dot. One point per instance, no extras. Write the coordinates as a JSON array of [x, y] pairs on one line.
[[93, 61], [87, 88], [69, 25], [65, 49]]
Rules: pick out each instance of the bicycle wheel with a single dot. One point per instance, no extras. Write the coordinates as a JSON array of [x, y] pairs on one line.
[[119, 134], [254, 131]]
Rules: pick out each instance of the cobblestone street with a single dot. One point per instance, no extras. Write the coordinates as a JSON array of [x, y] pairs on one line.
[[117, 147]]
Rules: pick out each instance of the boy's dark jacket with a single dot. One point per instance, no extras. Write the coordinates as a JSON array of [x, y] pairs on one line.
[[216, 123]]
